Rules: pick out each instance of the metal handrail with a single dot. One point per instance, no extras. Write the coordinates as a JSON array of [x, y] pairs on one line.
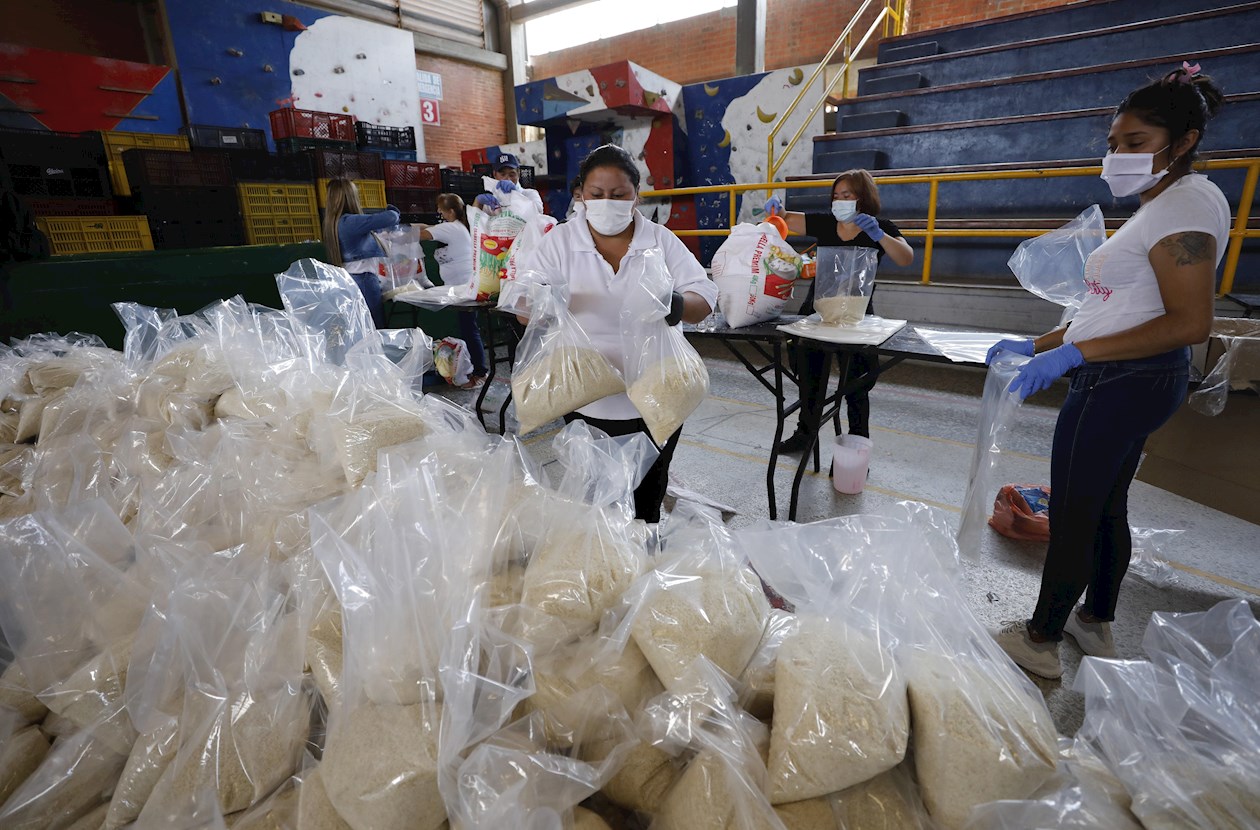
[[1237, 233], [888, 14]]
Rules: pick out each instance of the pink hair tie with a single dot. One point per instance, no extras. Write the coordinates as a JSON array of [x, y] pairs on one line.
[[1188, 71]]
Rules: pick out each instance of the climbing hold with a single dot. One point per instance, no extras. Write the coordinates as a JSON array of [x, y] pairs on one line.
[[339, 70], [299, 71], [711, 90], [268, 68], [726, 139], [236, 53], [360, 56], [215, 81], [766, 119], [796, 77]]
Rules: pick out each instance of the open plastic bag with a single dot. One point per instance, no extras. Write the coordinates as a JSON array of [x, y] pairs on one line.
[[996, 413], [665, 376], [754, 270], [1052, 265], [1237, 367], [523, 247], [450, 358], [1150, 560], [844, 283], [326, 300], [558, 370]]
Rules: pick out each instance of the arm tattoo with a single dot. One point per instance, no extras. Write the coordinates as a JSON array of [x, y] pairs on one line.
[[1189, 248]]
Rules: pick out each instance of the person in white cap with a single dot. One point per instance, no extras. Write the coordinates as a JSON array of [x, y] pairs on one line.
[[507, 169]]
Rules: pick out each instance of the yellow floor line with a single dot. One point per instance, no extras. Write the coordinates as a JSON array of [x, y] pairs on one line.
[[1220, 580]]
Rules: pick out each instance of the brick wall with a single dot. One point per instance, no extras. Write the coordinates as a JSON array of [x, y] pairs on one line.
[[472, 109], [702, 48]]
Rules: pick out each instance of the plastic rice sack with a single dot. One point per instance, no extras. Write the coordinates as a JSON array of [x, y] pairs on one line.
[[16, 695], [665, 376], [492, 236], [840, 711], [326, 301], [558, 369], [22, 750], [758, 676], [148, 760], [576, 667], [93, 690], [315, 811], [754, 270], [403, 262], [523, 247], [701, 602], [450, 356], [844, 282], [888, 801]]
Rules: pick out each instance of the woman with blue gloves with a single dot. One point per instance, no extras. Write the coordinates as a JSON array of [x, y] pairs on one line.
[[1149, 297], [349, 240], [507, 169], [852, 222]]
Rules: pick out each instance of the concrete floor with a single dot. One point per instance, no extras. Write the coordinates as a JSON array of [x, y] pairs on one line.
[[924, 419]]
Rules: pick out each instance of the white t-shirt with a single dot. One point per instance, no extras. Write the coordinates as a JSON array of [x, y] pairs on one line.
[[567, 254], [1121, 289], [455, 261]]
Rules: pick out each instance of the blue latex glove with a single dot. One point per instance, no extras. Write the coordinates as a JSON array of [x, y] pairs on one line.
[[486, 202], [1024, 347], [505, 186], [773, 205], [1045, 368], [869, 225]]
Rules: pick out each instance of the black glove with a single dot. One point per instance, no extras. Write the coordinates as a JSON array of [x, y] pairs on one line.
[[676, 303]]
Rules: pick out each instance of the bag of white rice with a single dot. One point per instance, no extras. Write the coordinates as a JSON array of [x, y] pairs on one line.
[[380, 768], [888, 801], [978, 737], [754, 271], [702, 604], [559, 676], [645, 776], [714, 794], [758, 677], [665, 376], [16, 694], [812, 814], [840, 712], [843, 284], [21, 753], [558, 370], [315, 811], [75, 778], [94, 690], [323, 652], [149, 758], [366, 429]]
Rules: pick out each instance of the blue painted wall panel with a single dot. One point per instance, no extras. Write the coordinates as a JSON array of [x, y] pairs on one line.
[[163, 103]]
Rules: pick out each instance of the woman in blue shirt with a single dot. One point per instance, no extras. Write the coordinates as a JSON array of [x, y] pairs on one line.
[[350, 243]]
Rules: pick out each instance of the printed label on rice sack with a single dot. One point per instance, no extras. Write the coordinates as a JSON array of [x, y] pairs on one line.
[[492, 244]]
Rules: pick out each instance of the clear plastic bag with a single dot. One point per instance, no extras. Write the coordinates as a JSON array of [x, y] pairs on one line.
[[1052, 265], [754, 270], [327, 302], [996, 413], [558, 370], [524, 246], [665, 376], [1236, 367], [22, 750], [963, 346], [404, 258], [1150, 562], [844, 283], [450, 356]]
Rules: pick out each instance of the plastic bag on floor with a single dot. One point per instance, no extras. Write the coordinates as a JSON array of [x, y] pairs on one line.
[[1150, 562], [450, 356], [558, 369], [1053, 265], [328, 302], [844, 283], [1236, 367], [840, 711], [1022, 511], [996, 414], [665, 376], [754, 270]]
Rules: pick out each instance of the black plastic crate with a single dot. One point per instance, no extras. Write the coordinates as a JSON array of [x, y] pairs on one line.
[[172, 168], [43, 148], [335, 164], [254, 166], [289, 146], [412, 199], [526, 173], [53, 206], [183, 204], [387, 138], [56, 181], [225, 138], [457, 181], [420, 218], [209, 233]]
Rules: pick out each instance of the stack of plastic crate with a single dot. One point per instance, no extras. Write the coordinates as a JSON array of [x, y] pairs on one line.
[[467, 186], [189, 196], [390, 143], [118, 142], [366, 169], [413, 188], [296, 130], [278, 213]]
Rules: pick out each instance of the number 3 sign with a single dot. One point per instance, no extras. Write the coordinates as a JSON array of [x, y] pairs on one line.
[[430, 112]]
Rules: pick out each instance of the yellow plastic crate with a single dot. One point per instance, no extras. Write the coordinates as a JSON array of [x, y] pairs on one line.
[[270, 199], [280, 230], [371, 192], [117, 142], [96, 234]]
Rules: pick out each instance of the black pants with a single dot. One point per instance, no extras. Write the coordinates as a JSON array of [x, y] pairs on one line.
[[807, 365], [1110, 410], [651, 491]]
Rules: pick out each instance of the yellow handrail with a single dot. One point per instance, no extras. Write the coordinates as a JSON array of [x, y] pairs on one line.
[[894, 13], [1237, 233]]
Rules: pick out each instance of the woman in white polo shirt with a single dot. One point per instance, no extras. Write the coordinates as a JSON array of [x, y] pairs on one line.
[[589, 254], [1149, 297]]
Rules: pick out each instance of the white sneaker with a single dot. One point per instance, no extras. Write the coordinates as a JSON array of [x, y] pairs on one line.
[[1041, 659], [1093, 638]]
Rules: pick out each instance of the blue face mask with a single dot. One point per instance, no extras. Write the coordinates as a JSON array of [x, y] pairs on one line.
[[844, 209]]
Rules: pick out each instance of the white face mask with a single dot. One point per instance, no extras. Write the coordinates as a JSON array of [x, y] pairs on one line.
[[1128, 174], [609, 216], [844, 209]]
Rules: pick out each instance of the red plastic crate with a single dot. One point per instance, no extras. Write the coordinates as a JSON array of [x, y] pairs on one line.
[[413, 174], [295, 123]]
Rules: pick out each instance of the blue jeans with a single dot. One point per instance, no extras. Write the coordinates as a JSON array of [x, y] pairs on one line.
[[1110, 410], [471, 335], [370, 287]]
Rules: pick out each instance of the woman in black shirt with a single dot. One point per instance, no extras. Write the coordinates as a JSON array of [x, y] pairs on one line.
[[853, 221]]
